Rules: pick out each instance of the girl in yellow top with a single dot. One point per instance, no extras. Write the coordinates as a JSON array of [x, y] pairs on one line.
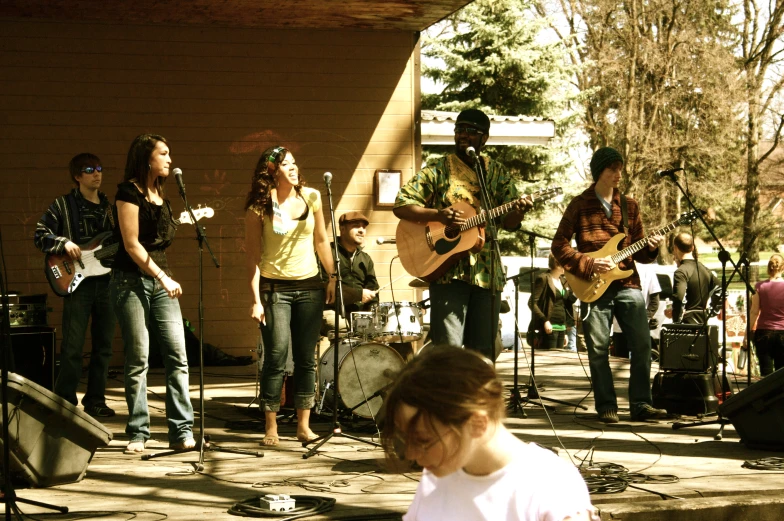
[[284, 231]]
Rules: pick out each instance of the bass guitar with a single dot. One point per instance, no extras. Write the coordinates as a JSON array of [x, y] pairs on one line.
[[591, 290], [65, 274], [428, 249]]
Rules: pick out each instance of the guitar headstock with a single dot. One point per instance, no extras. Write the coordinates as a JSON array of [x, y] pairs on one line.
[[198, 213], [690, 217], [544, 194]]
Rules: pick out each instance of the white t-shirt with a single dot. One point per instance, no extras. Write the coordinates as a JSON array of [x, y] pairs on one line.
[[536, 486]]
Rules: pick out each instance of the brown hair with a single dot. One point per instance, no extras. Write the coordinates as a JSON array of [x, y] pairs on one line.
[[445, 383], [775, 265], [81, 161], [263, 180], [137, 164], [552, 262]]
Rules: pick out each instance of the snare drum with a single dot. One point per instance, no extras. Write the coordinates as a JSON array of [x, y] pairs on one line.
[[364, 370], [397, 323]]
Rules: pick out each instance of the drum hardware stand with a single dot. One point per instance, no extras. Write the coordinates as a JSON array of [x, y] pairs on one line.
[[724, 257], [339, 311], [10, 499], [533, 392], [203, 442]]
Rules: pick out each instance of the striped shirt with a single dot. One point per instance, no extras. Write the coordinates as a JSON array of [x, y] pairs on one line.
[[58, 225]]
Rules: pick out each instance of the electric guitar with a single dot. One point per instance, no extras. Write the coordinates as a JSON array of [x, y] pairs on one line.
[[591, 290], [428, 249], [65, 274]]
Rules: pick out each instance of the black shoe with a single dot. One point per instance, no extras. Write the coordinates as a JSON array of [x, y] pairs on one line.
[[609, 416], [647, 412], [99, 410]]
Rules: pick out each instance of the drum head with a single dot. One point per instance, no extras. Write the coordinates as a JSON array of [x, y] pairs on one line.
[[366, 371]]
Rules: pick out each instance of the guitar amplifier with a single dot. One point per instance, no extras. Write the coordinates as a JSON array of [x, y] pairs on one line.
[[688, 347], [27, 310]]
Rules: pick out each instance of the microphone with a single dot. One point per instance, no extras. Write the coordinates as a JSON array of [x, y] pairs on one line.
[[178, 177], [667, 173], [382, 240], [471, 152], [328, 177]]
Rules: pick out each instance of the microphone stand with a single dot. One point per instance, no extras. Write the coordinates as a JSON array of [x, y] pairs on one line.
[[339, 310], [495, 251], [724, 257], [10, 499], [204, 441], [533, 392]]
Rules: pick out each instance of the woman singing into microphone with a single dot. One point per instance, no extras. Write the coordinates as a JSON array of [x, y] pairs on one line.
[[284, 231]]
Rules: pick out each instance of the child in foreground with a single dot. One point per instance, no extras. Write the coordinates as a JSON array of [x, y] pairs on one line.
[[445, 411]]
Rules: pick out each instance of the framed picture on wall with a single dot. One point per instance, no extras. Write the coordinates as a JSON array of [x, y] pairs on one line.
[[388, 183]]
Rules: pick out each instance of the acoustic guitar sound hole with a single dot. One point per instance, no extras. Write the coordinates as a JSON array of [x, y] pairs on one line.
[[452, 232]]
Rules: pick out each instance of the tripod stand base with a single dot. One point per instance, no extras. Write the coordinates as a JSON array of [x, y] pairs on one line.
[[208, 447], [336, 431], [533, 394]]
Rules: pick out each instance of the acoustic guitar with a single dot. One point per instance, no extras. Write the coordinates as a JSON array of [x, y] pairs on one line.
[[65, 274], [591, 290], [428, 249]]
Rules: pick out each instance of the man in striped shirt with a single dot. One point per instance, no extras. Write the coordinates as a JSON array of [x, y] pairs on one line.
[[593, 218], [71, 220]]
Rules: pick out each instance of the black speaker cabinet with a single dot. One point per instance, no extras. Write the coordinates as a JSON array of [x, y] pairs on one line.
[[52, 442], [757, 413], [686, 393], [685, 347], [33, 354]]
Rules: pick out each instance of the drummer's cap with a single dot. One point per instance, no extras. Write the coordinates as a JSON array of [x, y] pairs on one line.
[[350, 217]]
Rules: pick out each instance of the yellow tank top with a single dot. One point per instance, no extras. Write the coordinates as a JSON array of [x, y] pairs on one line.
[[291, 256]]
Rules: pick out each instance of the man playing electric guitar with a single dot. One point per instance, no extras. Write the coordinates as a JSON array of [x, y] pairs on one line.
[[74, 219], [460, 298], [594, 217]]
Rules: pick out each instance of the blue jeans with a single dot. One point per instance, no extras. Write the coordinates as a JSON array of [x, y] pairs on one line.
[[91, 299], [460, 316], [145, 311], [292, 317], [571, 338], [628, 306]]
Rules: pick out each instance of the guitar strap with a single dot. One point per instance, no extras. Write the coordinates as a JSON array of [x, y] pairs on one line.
[[73, 218]]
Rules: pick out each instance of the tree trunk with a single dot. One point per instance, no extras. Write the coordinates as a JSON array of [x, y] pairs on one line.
[[752, 207]]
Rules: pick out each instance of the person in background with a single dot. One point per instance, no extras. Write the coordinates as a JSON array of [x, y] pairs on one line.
[[550, 301], [145, 295], [71, 220], [693, 283], [445, 411], [284, 232], [766, 318]]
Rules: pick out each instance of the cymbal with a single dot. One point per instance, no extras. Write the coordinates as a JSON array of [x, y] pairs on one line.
[[419, 283]]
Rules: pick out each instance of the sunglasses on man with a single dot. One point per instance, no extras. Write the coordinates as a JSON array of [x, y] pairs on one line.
[[471, 131], [90, 169]]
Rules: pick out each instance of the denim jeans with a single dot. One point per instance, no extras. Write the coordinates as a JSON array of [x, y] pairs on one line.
[[90, 300], [460, 316], [571, 338], [554, 340], [292, 318], [628, 306], [146, 313], [770, 349]]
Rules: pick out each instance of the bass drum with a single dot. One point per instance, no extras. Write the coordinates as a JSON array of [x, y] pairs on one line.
[[363, 370]]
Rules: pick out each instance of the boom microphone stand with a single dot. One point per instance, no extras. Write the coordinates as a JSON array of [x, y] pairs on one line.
[[203, 442], [339, 310], [724, 257], [10, 499], [533, 392]]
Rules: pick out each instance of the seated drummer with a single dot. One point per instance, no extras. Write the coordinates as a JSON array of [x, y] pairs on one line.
[[360, 286]]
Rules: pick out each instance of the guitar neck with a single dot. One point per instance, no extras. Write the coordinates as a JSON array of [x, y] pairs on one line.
[[107, 252], [481, 218], [642, 243]]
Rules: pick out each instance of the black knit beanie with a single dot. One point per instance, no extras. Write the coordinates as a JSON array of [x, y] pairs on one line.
[[603, 158]]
